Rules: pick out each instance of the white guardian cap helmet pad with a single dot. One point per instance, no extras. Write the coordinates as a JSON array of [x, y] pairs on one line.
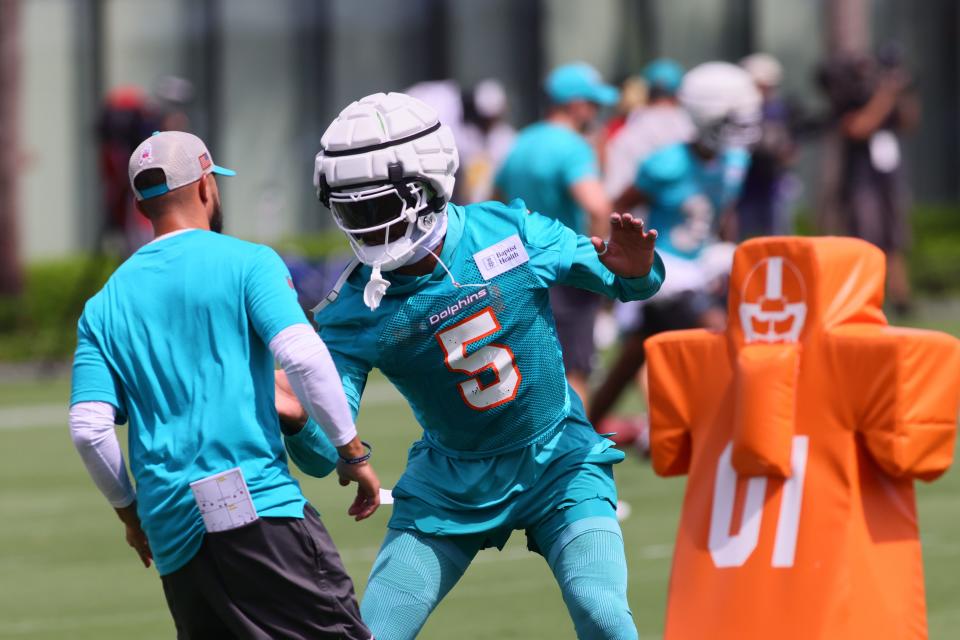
[[387, 164]]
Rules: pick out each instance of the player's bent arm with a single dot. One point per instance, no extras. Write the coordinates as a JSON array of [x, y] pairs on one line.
[[272, 307], [314, 379], [93, 435], [559, 256], [587, 272], [311, 450], [864, 122], [307, 445], [312, 375]]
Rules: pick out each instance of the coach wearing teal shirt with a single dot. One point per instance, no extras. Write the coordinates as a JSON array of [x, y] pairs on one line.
[[181, 342], [553, 168]]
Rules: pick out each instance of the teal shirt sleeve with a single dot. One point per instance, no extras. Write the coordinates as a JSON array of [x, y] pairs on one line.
[[269, 295], [560, 256], [587, 272], [93, 381], [312, 451], [550, 244]]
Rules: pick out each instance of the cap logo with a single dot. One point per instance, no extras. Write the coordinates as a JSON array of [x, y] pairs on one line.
[[146, 156], [205, 162]]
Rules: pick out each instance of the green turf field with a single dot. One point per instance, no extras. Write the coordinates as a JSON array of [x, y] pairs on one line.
[[65, 571]]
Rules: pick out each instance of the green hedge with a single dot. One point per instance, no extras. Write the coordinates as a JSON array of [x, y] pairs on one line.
[[42, 323], [935, 256], [314, 246]]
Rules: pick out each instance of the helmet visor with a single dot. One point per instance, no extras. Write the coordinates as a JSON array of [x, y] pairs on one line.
[[367, 210]]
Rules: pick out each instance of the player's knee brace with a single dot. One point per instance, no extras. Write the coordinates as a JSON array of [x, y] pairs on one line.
[[411, 575], [592, 572]]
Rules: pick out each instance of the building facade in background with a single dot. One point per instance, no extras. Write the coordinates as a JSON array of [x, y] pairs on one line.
[[266, 76]]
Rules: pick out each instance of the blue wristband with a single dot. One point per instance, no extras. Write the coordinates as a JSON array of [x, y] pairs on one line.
[[359, 459]]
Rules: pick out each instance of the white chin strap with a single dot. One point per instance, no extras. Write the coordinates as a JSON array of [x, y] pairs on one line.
[[377, 286], [375, 289]]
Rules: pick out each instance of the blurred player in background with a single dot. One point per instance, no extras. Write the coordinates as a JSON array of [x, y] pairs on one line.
[[660, 122], [182, 341], [690, 189], [553, 168], [763, 206], [451, 304]]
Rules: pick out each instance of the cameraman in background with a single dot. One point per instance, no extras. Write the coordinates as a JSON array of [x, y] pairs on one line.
[[874, 102]]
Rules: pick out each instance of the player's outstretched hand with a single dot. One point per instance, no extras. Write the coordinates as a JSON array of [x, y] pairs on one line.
[[629, 252], [368, 488]]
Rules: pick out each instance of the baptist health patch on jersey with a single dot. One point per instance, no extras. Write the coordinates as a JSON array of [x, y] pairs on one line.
[[502, 257]]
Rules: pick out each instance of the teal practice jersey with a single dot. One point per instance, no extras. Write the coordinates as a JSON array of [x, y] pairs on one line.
[[687, 194], [545, 162], [177, 340], [479, 363]]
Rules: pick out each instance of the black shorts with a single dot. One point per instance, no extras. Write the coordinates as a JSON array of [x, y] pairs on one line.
[[575, 312], [273, 578]]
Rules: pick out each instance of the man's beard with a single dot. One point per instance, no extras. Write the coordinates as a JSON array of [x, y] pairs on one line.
[[216, 220]]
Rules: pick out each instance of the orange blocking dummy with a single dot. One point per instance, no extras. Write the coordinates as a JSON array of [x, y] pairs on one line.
[[802, 429]]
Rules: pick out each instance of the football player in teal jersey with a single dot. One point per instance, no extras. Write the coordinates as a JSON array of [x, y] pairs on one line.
[[690, 189], [451, 304]]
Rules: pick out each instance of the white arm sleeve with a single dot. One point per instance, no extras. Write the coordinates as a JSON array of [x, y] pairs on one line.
[[91, 428], [314, 378]]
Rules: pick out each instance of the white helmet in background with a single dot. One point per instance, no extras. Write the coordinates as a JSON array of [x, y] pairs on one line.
[[724, 103], [386, 171]]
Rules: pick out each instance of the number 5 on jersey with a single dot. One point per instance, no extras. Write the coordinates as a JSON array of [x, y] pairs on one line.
[[496, 358]]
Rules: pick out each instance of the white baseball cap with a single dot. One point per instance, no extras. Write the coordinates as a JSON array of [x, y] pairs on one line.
[[182, 156]]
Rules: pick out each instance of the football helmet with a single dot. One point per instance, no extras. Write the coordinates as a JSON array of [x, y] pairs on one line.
[[724, 103], [386, 171]]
